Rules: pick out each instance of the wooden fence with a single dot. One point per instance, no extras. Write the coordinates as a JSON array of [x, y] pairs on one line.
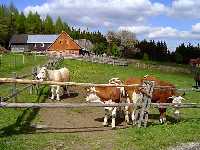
[[141, 107], [78, 105], [101, 59], [165, 68]]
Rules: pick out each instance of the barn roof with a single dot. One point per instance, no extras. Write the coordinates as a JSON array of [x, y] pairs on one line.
[[41, 38], [19, 39]]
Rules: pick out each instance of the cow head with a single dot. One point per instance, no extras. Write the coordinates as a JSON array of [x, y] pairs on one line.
[[117, 81], [92, 97], [42, 74], [177, 100]]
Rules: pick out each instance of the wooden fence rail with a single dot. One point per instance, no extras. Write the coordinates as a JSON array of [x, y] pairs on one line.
[[27, 81], [78, 105]]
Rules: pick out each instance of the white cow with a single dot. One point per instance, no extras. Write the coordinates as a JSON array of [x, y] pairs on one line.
[[60, 75]]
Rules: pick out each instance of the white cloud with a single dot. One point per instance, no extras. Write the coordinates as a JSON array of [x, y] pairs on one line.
[[196, 28], [161, 32], [101, 13], [124, 14], [136, 29], [184, 8]]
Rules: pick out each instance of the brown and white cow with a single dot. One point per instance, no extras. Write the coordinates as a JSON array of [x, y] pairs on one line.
[[166, 94], [106, 95], [160, 95], [133, 94], [60, 75]]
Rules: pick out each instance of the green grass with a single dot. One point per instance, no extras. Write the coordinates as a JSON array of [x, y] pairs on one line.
[[14, 123]]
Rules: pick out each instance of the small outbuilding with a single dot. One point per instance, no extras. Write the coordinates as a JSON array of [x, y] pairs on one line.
[[28, 43], [64, 45]]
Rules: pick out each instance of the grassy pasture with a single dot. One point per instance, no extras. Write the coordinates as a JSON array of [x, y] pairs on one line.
[[15, 134]]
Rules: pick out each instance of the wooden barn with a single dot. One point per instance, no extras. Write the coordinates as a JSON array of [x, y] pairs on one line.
[[64, 45], [35, 42]]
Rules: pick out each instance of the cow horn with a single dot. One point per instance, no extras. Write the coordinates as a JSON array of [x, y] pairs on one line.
[[146, 76]]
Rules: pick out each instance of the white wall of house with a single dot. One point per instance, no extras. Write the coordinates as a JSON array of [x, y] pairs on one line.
[[19, 48]]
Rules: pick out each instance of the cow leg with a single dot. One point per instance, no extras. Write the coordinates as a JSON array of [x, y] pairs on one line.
[[58, 93], [53, 92], [114, 111], [162, 115], [105, 121], [121, 110], [127, 111], [177, 113], [133, 117], [67, 89]]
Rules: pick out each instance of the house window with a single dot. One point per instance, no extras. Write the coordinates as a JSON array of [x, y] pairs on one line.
[[42, 44]]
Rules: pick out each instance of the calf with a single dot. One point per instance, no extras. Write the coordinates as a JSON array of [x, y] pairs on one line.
[[106, 95]]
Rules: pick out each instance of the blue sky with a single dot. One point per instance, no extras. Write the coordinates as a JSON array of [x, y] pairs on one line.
[[175, 21]]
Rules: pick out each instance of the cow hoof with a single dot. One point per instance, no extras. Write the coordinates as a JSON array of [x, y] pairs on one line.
[[113, 128], [162, 121], [134, 123], [129, 123]]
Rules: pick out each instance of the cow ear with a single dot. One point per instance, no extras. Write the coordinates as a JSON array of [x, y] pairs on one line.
[[171, 97]]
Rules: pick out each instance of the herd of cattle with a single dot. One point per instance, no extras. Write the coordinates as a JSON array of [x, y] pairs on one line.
[[113, 94]]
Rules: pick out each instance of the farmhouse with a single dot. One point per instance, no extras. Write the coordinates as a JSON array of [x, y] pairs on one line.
[[27, 43], [64, 45], [52, 43]]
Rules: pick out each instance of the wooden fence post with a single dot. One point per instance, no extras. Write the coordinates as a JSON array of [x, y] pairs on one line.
[[14, 61], [23, 59], [146, 101], [33, 77], [14, 87], [1, 60], [35, 57]]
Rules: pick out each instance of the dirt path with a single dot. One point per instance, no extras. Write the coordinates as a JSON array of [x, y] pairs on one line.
[[86, 122]]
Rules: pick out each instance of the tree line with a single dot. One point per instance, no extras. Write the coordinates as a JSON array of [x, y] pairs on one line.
[[118, 44]]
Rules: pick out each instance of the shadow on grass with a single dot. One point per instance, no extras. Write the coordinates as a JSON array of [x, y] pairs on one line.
[[154, 120], [171, 119], [22, 124], [72, 95]]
